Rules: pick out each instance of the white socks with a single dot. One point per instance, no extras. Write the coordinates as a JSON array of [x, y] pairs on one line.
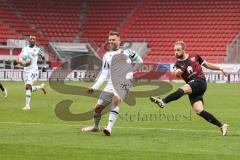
[[28, 98], [113, 117], [29, 93], [35, 88]]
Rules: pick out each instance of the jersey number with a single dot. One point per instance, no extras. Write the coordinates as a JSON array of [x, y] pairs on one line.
[[190, 69]]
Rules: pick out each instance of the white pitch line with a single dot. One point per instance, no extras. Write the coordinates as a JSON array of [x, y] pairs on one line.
[[118, 127], [168, 129]]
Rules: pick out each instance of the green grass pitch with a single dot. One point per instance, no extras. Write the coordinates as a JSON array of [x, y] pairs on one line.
[[38, 134]]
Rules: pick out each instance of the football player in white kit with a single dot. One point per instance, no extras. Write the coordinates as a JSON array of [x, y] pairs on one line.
[[30, 74], [109, 94]]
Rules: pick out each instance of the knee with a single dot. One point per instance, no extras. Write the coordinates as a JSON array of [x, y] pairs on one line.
[[186, 89], [116, 101], [28, 87], [198, 110], [98, 109], [198, 106]]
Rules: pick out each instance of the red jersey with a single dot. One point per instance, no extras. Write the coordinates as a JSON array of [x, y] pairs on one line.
[[191, 67]]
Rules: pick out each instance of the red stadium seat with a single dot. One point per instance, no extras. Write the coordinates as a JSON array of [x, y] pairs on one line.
[[206, 26], [199, 23]]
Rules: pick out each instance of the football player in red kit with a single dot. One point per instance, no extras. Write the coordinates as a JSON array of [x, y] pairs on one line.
[[188, 67]]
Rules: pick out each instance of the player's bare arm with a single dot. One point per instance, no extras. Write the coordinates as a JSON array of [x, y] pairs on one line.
[[214, 67]]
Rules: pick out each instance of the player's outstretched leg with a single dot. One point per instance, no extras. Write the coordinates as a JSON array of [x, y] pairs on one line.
[[158, 101], [171, 97], [41, 87]]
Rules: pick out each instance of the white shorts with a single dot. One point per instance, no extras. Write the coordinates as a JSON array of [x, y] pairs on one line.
[[107, 94], [30, 77]]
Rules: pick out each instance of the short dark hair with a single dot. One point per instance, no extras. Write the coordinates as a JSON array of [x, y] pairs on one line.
[[32, 36], [114, 33], [182, 44]]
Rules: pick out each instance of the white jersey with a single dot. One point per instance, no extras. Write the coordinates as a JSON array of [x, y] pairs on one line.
[[107, 61], [106, 65], [35, 52]]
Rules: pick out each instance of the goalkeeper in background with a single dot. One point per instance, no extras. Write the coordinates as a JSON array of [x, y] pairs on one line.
[[109, 94]]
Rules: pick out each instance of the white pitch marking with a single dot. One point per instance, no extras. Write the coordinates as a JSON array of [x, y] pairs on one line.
[[117, 127]]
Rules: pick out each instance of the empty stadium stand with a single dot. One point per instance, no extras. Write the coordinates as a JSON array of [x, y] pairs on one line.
[[17, 23], [105, 15], [56, 20], [206, 26], [5, 32]]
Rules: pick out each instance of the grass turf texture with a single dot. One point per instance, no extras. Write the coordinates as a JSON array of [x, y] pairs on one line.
[[39, 134]]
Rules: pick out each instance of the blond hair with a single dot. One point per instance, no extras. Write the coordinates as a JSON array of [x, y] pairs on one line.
[[182, 44], [32, 36], [114, 33]]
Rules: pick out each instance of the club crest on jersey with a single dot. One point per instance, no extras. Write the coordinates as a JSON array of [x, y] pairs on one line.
[[193, 59]]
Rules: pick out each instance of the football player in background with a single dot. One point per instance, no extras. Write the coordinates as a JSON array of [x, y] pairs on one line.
[[4, 90], [31, 72], [109, 95], [188, 67]]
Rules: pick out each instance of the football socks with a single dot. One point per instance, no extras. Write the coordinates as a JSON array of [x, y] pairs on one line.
[[174, 96], [28, 98], [96, 119], [113, 117], [210, 118], [35, 88]]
